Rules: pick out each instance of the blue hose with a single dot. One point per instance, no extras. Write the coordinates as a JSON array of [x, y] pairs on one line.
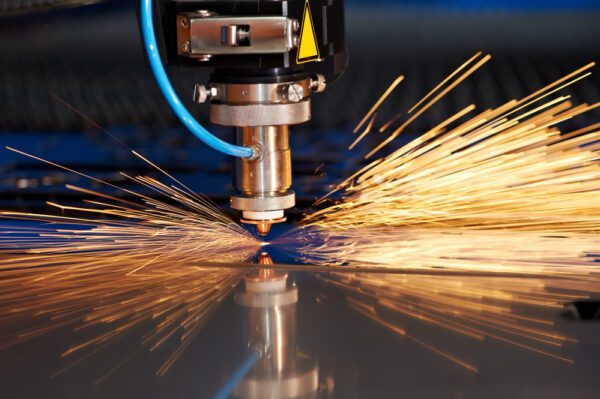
[[167, 89], [237, 376]]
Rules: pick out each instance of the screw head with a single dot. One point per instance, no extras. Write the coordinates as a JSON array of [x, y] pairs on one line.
[[205, 13], [185, 47], [294, 92], [184, 22], [318, 83], [200, 93]]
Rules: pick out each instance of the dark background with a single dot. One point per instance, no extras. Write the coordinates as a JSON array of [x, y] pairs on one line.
[[91, 58]]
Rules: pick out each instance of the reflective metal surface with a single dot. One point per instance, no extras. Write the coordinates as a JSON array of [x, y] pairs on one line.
[[282, 371], [314, 345]]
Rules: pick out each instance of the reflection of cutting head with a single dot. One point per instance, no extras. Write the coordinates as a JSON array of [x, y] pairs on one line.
[[270, 309]]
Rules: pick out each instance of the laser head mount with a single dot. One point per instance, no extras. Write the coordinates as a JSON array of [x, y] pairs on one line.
[[267, 58]]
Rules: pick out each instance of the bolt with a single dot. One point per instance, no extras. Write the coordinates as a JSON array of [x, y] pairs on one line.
[[295, 40], [205, 13], [294, 92], [201, 93], [318, 83], [184, 22], [185, 47], [295, 25]]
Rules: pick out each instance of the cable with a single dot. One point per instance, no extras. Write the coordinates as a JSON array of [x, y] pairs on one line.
[[167, 89]]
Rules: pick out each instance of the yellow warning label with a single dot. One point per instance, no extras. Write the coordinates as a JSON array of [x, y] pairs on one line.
[[308, 50]]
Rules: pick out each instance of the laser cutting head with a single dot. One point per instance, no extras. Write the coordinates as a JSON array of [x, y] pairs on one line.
[[261, 114], [268, 57]]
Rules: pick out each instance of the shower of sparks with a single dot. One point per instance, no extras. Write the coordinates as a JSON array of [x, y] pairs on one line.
[[98, 296], [503, 193], [514, 253], [529, 277], [115, 265], [183, 225], [504, 168]]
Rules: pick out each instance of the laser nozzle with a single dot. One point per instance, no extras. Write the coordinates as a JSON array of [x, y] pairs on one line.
[[263, 225], [263, 228]]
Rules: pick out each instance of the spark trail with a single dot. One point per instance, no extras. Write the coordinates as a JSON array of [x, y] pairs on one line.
[[115, 265], [516, 312], [502, 192], [504, 168], [513, 283], [100, 301]]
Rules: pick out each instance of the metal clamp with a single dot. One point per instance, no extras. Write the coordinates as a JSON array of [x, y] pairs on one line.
[[204, 34], [261, 93]]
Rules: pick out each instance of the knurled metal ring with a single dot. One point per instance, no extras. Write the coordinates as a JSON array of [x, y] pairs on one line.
[[260, 114]]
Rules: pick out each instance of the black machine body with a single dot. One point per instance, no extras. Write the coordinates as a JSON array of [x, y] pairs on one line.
[[252, 41]]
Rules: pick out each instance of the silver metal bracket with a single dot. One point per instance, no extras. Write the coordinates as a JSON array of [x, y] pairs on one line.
[[203, 34]]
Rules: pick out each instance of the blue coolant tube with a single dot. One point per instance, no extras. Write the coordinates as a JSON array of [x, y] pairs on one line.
[[167, 89]]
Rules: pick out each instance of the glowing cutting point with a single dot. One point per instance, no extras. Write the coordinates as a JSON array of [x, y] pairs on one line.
[[263, 220]]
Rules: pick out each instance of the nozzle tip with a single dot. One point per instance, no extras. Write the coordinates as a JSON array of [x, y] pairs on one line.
[[263, 228]]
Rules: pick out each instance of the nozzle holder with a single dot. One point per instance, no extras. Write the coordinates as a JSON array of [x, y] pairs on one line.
[[266, 203], [261, 111]]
